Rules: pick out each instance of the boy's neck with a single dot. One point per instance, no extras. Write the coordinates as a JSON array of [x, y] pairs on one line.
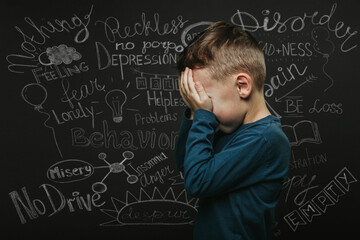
[[256, 109]]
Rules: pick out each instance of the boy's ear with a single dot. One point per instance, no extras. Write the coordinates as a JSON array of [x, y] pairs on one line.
[[244, 85]]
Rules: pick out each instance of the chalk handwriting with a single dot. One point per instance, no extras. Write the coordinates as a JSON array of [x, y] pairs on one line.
[[113, 30], [150, 41], [157, 177], [307, 160], [70, 170], [290, 49], [123, 139], [283, 78], [164, 100], [296, 23], [54, 201], [152, 118], [293, 106], [144, 209], [189, 34], [142, 168], [84, 91], [299, 182], [333, 108], [77, 112], [54, 72], [317, 206], [165, 45], [18, 63], [106, 59]]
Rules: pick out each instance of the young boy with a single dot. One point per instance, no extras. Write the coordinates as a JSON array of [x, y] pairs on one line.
[[231, 150]]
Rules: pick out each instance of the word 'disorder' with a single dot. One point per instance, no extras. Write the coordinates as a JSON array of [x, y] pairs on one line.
[[276, 22]]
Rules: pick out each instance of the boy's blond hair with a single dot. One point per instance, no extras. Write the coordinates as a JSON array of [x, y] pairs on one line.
[[225, 49]]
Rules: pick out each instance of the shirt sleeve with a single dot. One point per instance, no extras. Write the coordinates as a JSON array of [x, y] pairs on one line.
[[180, 146], [240, 164]]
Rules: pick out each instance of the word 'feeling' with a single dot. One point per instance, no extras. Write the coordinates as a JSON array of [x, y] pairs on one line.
[[55, 200], [56, 72], [317, 206]]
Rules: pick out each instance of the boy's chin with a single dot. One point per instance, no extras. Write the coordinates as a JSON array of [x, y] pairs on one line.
[[226, 129]]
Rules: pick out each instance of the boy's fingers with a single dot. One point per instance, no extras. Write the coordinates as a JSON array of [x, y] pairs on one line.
[[185, 81], [200, 90], [191, 83], [180, 83], [183, 84], [180, 78], [182, 89]]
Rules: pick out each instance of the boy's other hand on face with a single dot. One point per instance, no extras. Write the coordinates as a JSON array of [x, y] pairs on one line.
[[193, 94]]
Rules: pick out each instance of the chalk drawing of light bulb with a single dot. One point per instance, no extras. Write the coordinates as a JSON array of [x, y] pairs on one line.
[[116, 99]]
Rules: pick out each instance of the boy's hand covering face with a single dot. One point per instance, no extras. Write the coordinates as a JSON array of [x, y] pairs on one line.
[[193, 94]]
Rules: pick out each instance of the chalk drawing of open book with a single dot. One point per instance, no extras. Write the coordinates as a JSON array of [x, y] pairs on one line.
[[302, 132]]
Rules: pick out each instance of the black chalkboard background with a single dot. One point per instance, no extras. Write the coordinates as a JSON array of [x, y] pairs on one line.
[[73, 167]]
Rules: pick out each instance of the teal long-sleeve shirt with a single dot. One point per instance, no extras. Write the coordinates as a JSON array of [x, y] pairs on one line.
[[237, 177]]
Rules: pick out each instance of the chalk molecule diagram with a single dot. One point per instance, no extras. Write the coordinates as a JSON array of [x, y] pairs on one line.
[[117, 167]]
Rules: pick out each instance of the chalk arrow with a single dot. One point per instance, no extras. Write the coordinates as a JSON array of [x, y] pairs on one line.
[[309, 79]]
